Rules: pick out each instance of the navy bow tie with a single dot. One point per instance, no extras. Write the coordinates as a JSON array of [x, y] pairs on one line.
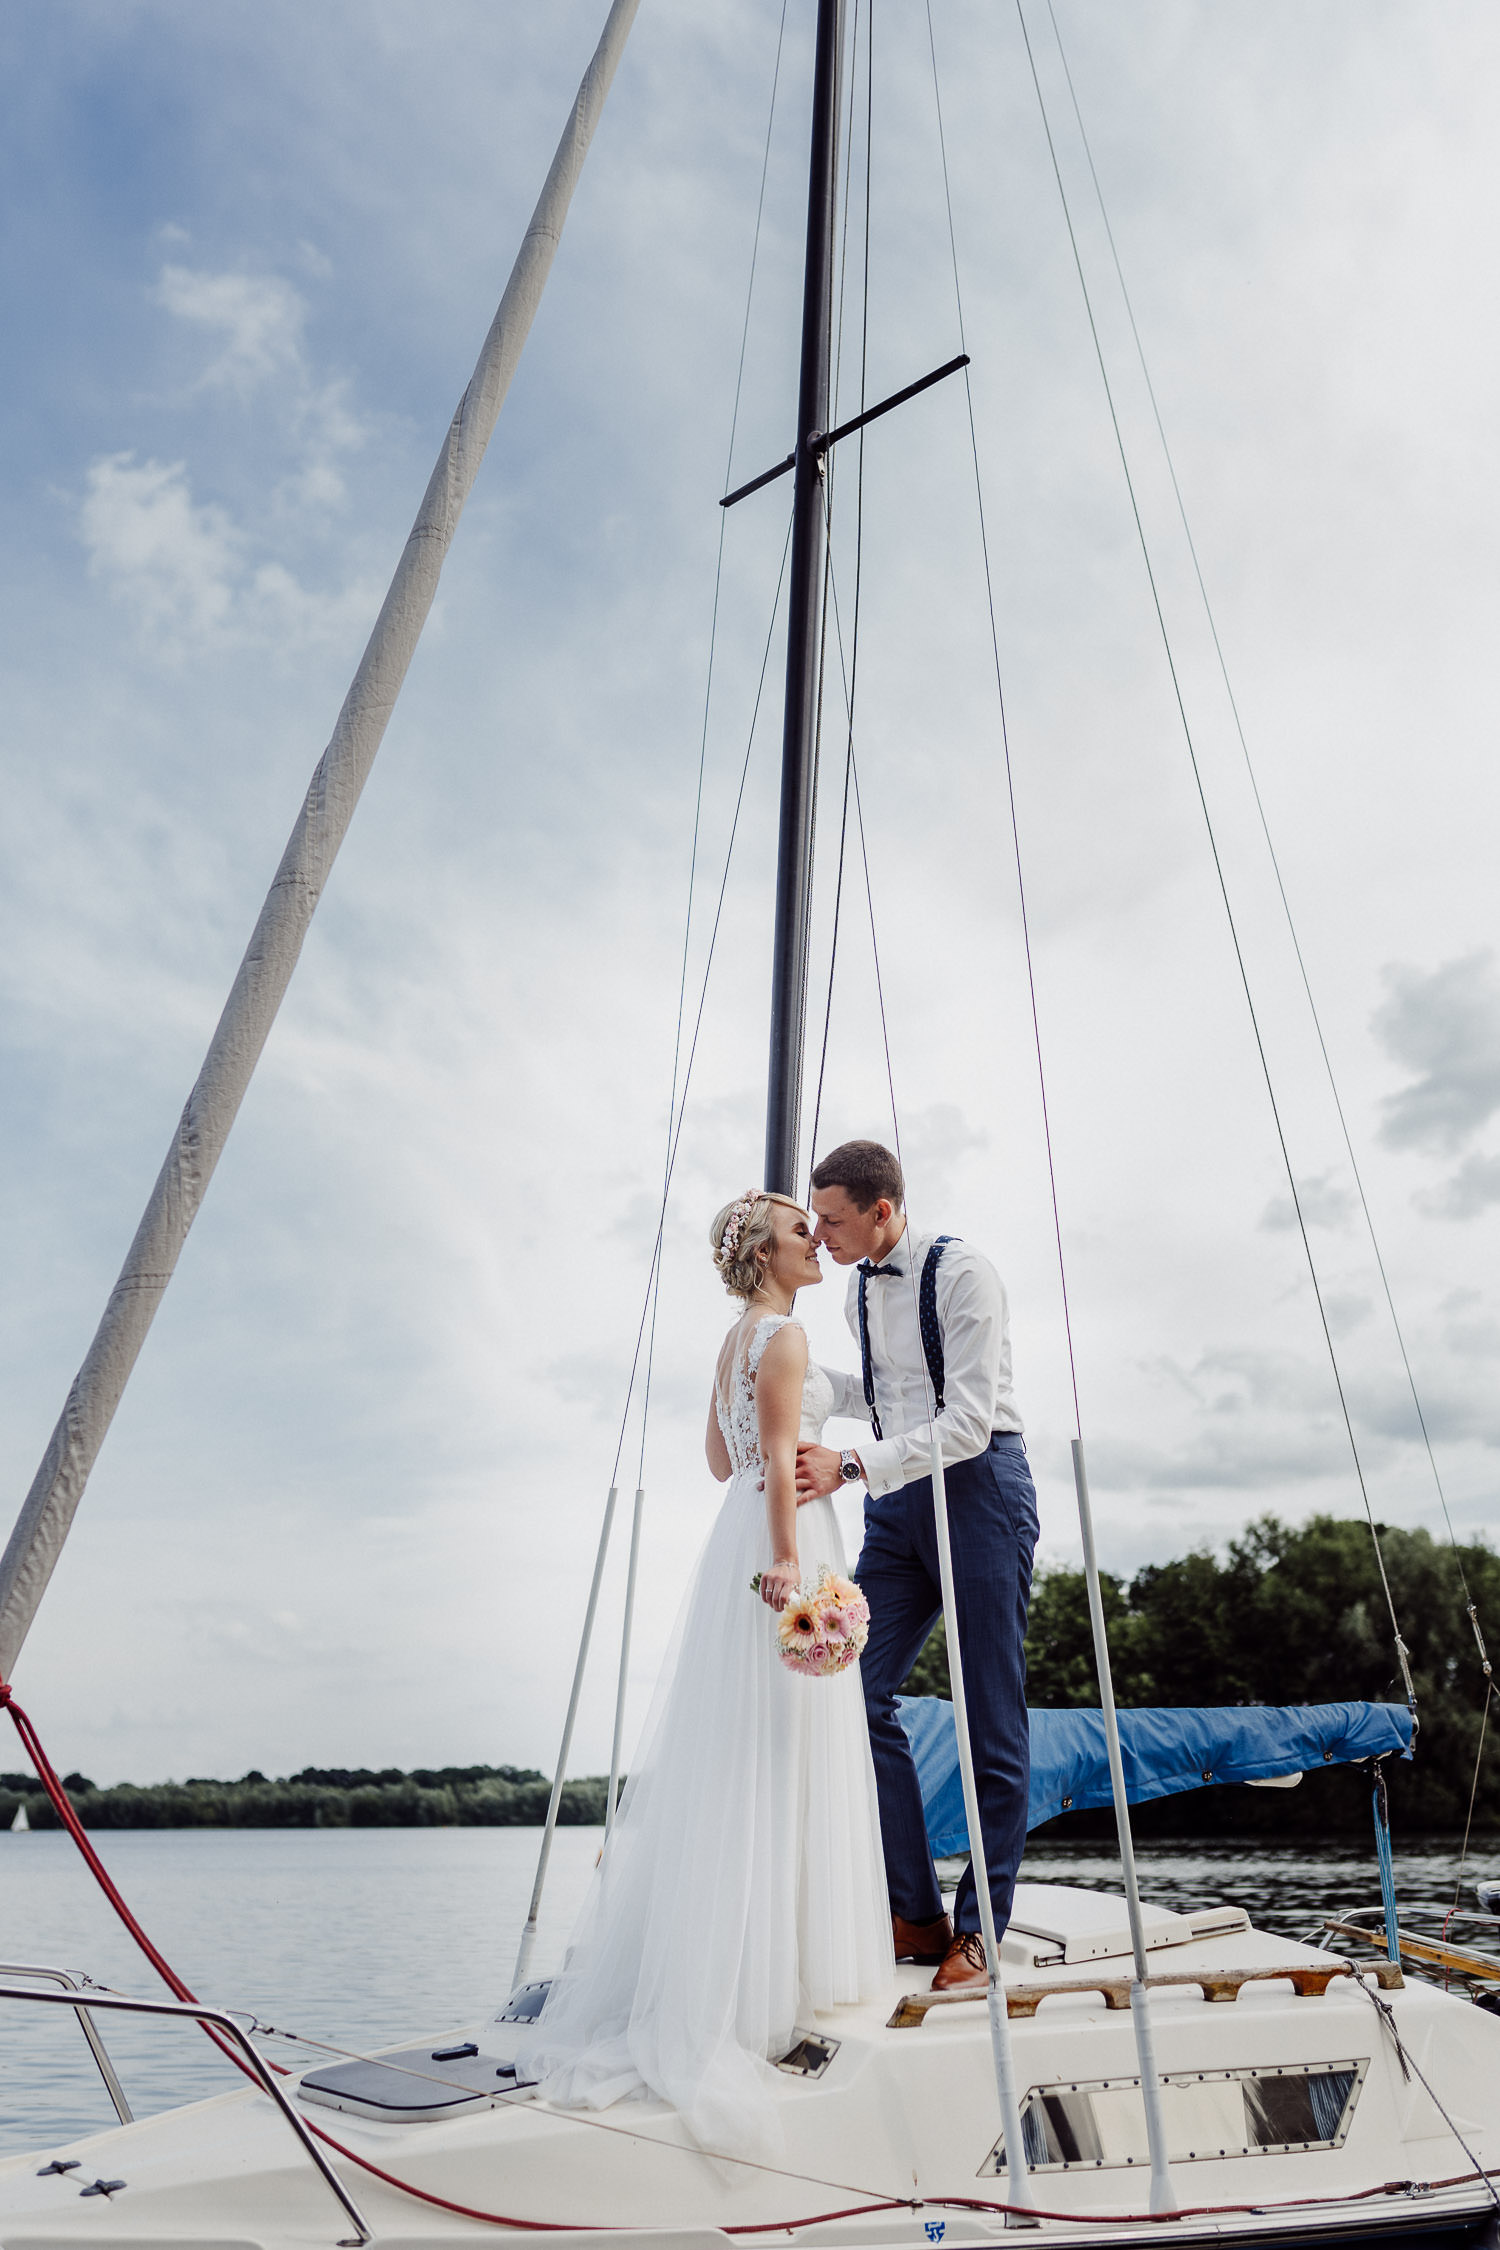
[[867, 1269]]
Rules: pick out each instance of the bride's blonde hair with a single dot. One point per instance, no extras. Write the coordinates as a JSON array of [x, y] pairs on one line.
[[741, 1231]]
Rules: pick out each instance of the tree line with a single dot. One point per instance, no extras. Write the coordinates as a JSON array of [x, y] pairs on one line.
[[320, 1797], [1287, 1614]]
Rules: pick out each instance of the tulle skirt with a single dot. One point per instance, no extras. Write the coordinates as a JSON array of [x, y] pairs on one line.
[[742, 1887]]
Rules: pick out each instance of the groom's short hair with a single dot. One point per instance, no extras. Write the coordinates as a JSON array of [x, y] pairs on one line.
[[865, 1171]]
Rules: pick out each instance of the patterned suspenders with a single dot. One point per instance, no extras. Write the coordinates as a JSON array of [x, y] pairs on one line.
[[927, 1322]]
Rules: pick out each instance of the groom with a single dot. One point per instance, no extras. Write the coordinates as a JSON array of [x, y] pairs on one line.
[[930, 1316]]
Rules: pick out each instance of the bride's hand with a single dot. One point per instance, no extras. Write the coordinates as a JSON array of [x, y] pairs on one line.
[[780, 1583]]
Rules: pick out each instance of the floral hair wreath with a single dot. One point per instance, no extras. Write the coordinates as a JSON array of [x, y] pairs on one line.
[[734, 1226]]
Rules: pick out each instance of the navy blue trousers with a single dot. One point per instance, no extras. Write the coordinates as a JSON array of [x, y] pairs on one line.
[[993, 1526]]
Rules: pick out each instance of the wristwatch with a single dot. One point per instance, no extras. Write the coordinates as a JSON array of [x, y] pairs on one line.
[[850, 1471]]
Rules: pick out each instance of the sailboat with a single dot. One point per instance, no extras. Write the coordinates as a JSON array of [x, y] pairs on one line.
[[1126, 2070]]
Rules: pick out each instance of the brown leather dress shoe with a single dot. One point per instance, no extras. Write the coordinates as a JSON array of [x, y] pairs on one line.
[[922, 1942], [963, 1964]]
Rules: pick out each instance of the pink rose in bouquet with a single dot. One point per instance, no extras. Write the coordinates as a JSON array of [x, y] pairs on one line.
[[823, 1632]]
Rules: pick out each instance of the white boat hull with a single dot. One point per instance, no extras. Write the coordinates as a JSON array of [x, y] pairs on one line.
[[901, 2117]]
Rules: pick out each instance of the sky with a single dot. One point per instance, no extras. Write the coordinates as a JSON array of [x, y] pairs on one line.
[[348, 1508]]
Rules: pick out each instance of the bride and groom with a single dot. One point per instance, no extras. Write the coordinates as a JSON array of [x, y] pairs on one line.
[[770, 1859]]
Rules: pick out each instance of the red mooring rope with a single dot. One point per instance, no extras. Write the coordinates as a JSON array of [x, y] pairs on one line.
[[63, 1807]]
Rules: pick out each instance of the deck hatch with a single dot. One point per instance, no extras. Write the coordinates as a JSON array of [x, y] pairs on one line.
[[525, 2003], [809, 2057], [411, 2084], [1093, 2123]]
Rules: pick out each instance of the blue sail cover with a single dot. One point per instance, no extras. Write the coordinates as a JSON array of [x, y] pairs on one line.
[[1164, 1752]]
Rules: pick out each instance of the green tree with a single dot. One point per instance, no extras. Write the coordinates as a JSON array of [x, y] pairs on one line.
[[1289, 1614]]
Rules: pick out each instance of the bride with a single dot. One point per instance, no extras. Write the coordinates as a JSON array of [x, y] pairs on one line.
[[742, 1887]]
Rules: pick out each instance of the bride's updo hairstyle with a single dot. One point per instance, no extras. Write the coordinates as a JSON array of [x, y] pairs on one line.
[[742, 1237]]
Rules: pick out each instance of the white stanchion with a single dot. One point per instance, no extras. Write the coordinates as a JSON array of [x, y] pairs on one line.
[[615, 1746], [528, 1935], [1018, 2179], [1163, 2194]]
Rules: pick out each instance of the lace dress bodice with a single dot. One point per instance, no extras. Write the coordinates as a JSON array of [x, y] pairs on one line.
[[737, 1417]]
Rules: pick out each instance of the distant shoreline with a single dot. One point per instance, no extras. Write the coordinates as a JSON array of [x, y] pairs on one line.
[[319, 1797]]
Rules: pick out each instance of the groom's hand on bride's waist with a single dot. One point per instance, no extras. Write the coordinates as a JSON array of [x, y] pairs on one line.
[[819, 1472]]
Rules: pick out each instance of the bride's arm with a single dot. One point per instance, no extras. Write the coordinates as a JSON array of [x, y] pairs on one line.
[[719, 1463], [778, 1411]]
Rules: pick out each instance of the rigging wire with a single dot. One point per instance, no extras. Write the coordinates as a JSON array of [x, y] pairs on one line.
[[826, 477], [1265, 827], [1402, 1653], [1010, 779], [581, 1661], [848, 673], [654, 1283], [645, 1335], [859, 522], [1469, 1816], [713, 940]]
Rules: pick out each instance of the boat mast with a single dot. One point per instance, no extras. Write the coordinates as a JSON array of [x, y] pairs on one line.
[[799, 726]]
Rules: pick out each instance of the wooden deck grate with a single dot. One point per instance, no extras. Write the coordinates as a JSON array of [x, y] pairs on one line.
[[1308, 1980]]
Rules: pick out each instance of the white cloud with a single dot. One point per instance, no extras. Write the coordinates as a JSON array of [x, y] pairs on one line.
[[185, 567], [259, 318], [181, 565], [173, 559], [1324, 1204], [1444, 1023], [1473, 1188], [934, 1141]]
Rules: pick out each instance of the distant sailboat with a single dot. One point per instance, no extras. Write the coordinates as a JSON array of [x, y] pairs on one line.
[[20, 1826]]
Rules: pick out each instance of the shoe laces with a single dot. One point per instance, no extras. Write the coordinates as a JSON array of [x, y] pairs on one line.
[[971, 1945]]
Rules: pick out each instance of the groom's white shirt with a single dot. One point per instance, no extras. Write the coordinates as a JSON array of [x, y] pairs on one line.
[[977, 1397]]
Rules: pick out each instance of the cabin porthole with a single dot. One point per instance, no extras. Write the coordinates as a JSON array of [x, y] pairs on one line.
[[1281, 2109]]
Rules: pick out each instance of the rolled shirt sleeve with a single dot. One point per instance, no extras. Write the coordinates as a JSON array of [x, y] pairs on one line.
[[849, 1404]]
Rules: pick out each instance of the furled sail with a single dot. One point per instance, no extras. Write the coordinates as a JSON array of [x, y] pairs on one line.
[[272, 955]]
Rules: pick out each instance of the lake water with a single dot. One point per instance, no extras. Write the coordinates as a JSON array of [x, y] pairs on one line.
[[365, 1937]]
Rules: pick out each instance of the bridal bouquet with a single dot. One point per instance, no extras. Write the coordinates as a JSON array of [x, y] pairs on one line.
[[822, 1632]]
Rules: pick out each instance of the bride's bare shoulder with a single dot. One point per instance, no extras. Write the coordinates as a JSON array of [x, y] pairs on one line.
[[785, 1351]]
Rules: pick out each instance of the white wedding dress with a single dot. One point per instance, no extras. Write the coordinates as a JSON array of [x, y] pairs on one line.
[[742, 1886]]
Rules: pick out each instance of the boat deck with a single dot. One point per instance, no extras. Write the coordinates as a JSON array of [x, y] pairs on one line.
[[1290, 2114]]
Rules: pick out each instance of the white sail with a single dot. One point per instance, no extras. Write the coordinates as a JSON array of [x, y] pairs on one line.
[[272, 955], [20, 1826]]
